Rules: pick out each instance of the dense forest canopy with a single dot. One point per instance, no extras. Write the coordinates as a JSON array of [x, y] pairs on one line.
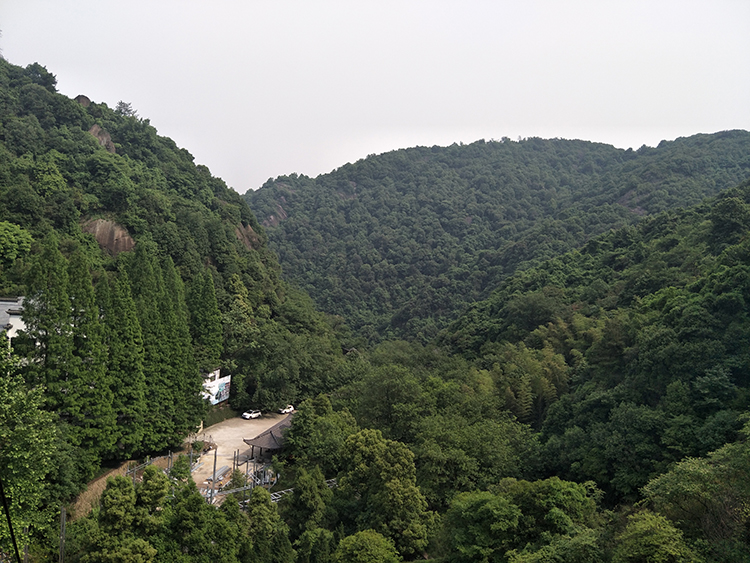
[[575, 386], [400, 243]]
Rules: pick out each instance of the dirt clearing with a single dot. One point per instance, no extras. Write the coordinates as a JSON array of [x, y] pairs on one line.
[[228, 436]]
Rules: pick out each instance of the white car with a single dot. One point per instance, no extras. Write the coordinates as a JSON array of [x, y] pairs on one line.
[[251, 414], [287, 409]]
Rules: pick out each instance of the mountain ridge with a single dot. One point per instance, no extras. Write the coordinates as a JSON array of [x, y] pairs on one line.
[[413, 225]]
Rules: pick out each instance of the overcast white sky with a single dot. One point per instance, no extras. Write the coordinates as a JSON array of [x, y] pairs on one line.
[[257, 89]]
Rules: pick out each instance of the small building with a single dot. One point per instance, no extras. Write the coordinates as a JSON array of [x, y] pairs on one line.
[[271, 441], [215, 387]]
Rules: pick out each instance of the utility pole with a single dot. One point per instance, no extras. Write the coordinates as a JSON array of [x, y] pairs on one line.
[[213, 478], [62, 534]]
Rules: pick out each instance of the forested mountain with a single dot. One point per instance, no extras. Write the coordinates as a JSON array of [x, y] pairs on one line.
[[593, 407], [400, 243], [140, 271]]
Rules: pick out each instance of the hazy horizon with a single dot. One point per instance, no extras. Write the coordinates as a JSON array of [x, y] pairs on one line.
[[256, 90]]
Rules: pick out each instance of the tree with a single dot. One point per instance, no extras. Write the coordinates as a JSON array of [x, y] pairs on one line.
[[454, 455], [47, 316], [305, 508], [391, 401], [480, 526], [707, 497], [315, 546], [650, 537], [27, 442], [117, 506], [205, 321], [196, 531], [89, 398], [377, 490], [366, 546], [150, 301], [125, 364], [125, 109], [524, 521], [318, 434], [269, 533], [40, 75], [182, 374], [14, 243]]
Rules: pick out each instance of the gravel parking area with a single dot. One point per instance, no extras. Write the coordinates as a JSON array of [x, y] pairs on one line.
[[228, 436]]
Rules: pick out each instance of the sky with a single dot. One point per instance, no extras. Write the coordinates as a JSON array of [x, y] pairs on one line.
[[258, 89]]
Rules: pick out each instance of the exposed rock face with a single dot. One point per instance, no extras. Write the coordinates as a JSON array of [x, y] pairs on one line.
[[247, 236], [83, 100], [273, 220], [103, 137], [109, 235]]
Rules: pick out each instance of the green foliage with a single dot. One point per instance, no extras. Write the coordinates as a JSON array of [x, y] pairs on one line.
[[305, 509], [205, 322], [623, 362], [315, 546], [318, 434], [479, 526], [27, 442], [117, 505], [399, 244], [181, 467], [14, 242], [522, 521], [708, 498], [270, 534], [377, 490], [125, 363], [366, 546], [454, 455], [650, 537]]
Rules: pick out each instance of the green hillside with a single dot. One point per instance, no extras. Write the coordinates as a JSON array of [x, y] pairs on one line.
[[400, 243], [141, 271]]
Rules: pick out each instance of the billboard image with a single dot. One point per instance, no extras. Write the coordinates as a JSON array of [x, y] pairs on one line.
[[215, 387]]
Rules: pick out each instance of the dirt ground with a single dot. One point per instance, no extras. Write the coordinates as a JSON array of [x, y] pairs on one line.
[[228, 436]]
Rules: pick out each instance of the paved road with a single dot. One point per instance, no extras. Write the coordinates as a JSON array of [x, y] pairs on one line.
[[228, 436]]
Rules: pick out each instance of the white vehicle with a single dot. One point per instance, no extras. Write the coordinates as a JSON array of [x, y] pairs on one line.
[[287, 409], [251, 414]]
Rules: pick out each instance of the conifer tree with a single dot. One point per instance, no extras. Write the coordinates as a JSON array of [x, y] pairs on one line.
[[205, 322], [269, 533], [47, 315], [241, 334], [378, 486], [186, 380], [89, 399], [148, 295], [125, 343]]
